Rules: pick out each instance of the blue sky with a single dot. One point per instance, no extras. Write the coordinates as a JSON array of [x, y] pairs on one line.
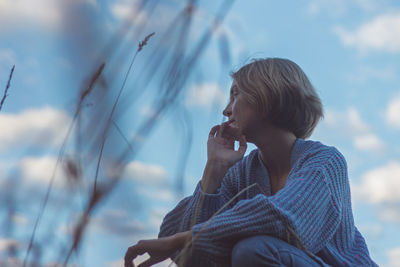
[[350, 50]]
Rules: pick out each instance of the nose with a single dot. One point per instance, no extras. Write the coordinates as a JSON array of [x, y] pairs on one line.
[[227, 111]]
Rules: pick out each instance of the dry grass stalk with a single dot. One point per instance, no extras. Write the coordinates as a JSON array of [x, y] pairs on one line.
[[7, 87], [176, 71], [84, 94], [110, 117]]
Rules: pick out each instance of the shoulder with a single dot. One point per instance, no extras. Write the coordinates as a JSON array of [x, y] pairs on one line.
[[309, 153]]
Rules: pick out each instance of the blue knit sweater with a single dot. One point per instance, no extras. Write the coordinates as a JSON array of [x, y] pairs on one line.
[[313, 210]]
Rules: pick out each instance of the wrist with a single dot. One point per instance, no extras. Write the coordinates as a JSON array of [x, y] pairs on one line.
[[217, 166], [181, 238], [213, 174]]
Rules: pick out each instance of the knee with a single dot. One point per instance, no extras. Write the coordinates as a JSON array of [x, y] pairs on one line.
[[244, 252]]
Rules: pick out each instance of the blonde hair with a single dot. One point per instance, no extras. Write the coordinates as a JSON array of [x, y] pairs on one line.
[[281, 91]]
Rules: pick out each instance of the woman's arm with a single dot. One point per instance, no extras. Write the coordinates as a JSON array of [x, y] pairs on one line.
[[159, 249], [309, 204], [207, 199]]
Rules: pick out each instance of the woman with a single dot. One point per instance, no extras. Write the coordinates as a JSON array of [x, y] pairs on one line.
[[285, 204]]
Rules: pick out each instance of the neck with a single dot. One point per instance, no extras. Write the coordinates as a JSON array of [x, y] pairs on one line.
[[275, 147]]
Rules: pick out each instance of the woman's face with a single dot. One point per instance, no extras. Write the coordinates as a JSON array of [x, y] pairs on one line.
[[244, 116]]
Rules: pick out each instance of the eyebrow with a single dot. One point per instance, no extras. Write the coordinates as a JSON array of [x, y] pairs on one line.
[[233, 88]]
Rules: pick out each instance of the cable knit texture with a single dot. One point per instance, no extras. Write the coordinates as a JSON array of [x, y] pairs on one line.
[[315, 203]]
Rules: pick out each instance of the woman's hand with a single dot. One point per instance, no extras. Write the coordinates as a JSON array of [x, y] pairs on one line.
[[221, 145], [221, 154], [158, 249]]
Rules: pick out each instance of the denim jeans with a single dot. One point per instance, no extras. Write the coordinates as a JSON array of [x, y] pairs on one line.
[[263, 250]]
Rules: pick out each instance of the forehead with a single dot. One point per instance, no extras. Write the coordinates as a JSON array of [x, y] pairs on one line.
[[234, 87]]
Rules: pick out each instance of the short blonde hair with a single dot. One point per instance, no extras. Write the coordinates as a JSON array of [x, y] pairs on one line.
[[281, 91]]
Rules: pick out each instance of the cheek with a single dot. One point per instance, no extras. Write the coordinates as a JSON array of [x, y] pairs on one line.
[[234, 107]]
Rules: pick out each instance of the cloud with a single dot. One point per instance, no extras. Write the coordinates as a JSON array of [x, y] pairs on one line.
[[25, 12], [394, 257], [20, 219], [37, 171], [41, 13], [118, 222], [126, 9], [366, 73], [352, 125], [355, 123], [158, 194], [379, 187], [335, 7], [393, 112], [42, 127], [380, 34], [368, 142], [6, 244], [206, 95], [146, 173]]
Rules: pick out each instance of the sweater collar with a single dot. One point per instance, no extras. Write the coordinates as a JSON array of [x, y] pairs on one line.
[[295, 154]]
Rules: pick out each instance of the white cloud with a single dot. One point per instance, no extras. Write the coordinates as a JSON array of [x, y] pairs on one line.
[[38, 171], [368, 142], [118, 222], [26, 12], [393, 112], [146, 173], [380, 185], [127, 9], [380, 34], [370, 5], [20, 219], [394, 257], [43, 127], [8, 243], [205, 95], [365, 73], [46, 14], [352, 125], [161, 194], [355, 123], [335, 7]]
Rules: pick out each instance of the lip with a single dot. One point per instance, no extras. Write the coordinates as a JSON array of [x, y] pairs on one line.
[[231, 122]]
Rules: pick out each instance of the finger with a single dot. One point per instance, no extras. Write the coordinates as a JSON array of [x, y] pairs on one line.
[[221, 129], [149, 262], [242, 145], [213, 131], [132, 253]]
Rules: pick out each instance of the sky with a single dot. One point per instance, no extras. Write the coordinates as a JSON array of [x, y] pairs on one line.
[[350, 50]]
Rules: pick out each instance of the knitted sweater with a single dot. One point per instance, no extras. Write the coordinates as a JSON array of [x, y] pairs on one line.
[[315, 203]]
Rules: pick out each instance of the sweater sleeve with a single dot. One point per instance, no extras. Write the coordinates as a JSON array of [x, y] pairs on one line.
[[309, 204], [199, 207]]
